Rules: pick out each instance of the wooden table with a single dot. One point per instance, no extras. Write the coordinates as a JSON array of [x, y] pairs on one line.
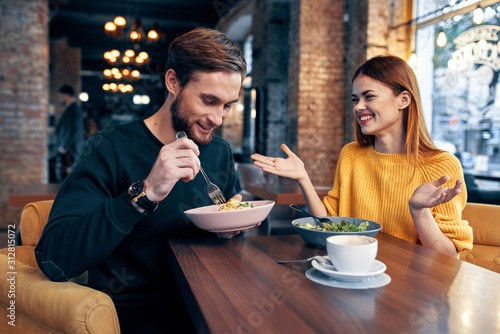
[[33, 193], [282, 193], [236, 286]]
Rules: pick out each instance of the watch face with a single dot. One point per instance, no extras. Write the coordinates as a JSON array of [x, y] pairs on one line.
[[135, 189]]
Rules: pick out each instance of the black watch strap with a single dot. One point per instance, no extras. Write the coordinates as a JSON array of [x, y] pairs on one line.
[[145, 203], [137, 193]]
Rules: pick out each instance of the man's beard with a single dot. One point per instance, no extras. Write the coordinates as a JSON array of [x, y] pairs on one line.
[[181, 123]]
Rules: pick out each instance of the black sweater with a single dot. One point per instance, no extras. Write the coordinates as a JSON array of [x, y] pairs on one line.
[[93, 226]]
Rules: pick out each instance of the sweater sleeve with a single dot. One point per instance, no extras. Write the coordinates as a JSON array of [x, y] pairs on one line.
[[344, 165], [331, 200], [89, 218], [448, 216]]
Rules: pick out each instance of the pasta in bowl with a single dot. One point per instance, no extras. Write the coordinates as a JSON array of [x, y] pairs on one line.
[[234, 204], [229, 217]]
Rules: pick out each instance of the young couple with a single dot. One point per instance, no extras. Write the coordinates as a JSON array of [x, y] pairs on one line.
[[123, 200]]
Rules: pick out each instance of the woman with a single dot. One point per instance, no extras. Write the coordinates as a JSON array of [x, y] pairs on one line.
[[393, 174]]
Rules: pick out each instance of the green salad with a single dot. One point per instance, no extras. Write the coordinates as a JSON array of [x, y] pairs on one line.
[[343, 226]]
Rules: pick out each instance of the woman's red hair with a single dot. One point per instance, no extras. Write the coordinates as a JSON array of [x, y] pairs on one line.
[[396, 74]]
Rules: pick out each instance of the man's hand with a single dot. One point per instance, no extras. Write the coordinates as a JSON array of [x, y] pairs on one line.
[[229, 235], [177, 160]]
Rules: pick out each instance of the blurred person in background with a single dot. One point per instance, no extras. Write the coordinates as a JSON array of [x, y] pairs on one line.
[[69, 136]]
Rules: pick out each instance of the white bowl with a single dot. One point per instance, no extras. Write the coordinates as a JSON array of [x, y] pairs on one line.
[[210, 219]]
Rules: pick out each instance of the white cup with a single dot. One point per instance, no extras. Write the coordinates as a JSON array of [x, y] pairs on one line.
[[352, 253]]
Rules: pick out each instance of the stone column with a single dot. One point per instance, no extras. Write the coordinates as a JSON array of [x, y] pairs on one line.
[[24, 91], [270, 73]]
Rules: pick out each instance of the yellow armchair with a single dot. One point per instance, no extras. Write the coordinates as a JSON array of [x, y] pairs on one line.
[[37, 305], [485, 222]]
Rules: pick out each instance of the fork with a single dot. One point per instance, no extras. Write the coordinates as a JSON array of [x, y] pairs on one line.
[[213, 191], [322, 220]]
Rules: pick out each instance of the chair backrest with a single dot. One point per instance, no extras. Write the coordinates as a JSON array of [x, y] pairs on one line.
[[249, 173], [33, 220], [485, 222]]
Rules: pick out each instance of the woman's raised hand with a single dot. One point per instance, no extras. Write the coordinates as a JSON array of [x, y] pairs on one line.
[[432, 193], [291, 167]]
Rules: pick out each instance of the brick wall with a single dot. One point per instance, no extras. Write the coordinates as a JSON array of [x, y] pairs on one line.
[[24, 59], [327, 41], [293, 74], [317, 90]]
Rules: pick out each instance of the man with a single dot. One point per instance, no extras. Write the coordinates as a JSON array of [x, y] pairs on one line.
[[127, 192], [69, 134]]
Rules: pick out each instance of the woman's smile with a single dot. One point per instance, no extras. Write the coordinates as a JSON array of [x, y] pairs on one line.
[[364, 118]]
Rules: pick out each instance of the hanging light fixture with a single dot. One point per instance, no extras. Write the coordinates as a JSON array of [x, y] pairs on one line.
[[130, 53], [107, 73], [128, 58], [120, 22], [107, 55], [110, 28], [478, 15], [136, 31], [136, 34], [441, 39], [138, 60], [123, 62], [413, 60], [114, 87], [144, 56], [125, 73], [155, 34], [135, 74]]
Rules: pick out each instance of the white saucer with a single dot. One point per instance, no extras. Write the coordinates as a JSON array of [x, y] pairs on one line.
[[377, 281], [329, 270]]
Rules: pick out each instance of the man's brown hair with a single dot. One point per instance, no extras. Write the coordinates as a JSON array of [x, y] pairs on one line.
[[206, 50]]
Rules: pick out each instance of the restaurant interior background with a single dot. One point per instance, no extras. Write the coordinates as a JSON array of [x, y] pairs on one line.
[[301, 55]]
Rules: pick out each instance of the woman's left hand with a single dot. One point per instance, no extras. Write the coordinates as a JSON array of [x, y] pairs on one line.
[[432, 194]]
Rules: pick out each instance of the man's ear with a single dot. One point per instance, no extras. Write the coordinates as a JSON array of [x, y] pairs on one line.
[[404, 99], [171, 82]]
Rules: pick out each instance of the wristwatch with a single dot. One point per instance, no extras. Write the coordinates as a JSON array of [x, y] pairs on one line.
[[137, 194]]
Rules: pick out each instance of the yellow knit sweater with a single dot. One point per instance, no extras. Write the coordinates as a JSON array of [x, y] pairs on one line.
[[375, 186]]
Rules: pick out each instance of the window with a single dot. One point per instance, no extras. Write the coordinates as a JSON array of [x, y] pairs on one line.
[[460, 81]]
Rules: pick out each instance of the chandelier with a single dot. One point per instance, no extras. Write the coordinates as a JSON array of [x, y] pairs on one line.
[[128, 58], [123, 63], [118, 74], [114, 87], [135, 34]]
